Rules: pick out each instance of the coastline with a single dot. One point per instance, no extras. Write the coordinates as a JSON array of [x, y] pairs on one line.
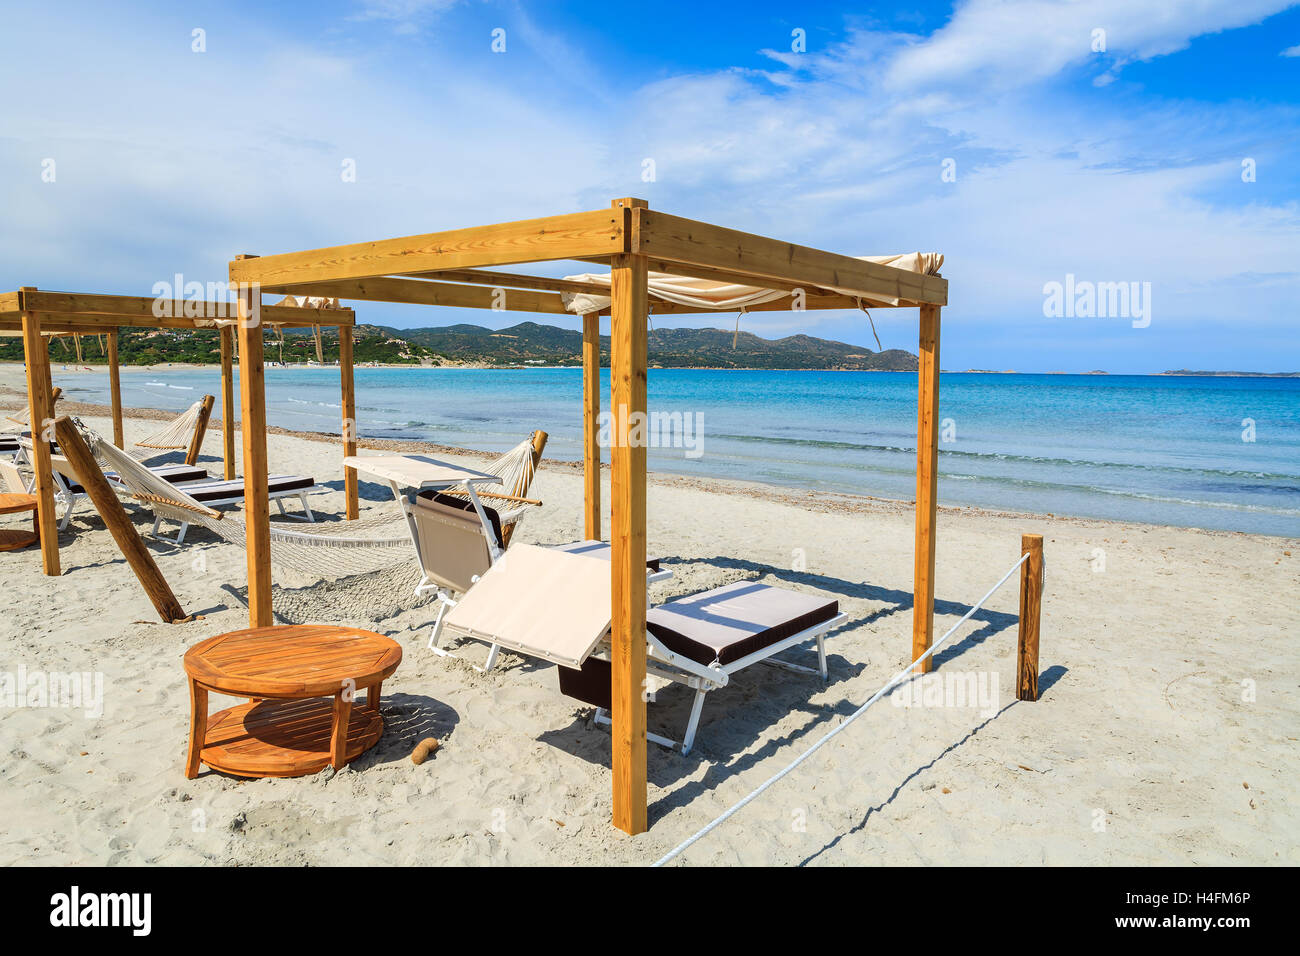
[[173, 366], [1144, 632], [829, 502]]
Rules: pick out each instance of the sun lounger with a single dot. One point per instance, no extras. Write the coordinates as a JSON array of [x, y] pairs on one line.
[[555, 605], [458, 538], [68, 490], [454, 555], [219, 494], [198, 484]]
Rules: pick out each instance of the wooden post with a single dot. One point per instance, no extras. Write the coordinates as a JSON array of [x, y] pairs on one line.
[[257, 519], [77, 452], [115, 390], [590, 425], [227, 337], [927, 484], [1031, 606], [200, 429], [39, 406], [349, 403], [628, 537]]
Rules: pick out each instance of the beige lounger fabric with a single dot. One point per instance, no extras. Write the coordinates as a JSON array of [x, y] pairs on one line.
[[727, 296], [415, 471], [541, 602]]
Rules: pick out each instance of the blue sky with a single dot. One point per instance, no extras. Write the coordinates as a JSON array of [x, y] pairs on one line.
[[1115, 165]]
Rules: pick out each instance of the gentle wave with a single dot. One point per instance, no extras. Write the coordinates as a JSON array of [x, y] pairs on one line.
[[1003, 456]]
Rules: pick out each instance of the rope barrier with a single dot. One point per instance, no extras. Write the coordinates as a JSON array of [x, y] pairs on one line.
[[753, 795]]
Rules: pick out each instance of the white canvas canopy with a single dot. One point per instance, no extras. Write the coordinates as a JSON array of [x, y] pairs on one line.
[[730, 297]]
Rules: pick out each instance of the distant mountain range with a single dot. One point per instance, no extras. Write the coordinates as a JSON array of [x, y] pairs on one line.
[[530, 343], [527, 344]]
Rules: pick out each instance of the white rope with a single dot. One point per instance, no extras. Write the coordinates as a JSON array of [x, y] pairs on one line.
[[826, 738]]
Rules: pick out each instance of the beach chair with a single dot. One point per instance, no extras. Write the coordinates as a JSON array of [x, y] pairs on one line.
[[198, 485], [455, 546], [555, 605], [68, 488], [218, 494]]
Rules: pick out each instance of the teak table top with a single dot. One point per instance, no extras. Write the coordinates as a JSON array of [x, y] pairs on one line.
[[16, 503], [306, 660]]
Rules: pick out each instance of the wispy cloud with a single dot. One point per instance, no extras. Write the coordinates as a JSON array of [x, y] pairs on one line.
[[241, 150]]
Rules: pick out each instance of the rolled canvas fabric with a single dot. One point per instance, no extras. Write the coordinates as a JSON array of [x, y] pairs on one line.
[[730, 297]]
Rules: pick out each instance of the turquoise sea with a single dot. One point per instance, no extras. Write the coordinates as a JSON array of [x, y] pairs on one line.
[[1197, 451]]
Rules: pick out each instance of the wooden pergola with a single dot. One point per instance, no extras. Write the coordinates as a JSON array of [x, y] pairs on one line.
[[453, 269], [38, 315]]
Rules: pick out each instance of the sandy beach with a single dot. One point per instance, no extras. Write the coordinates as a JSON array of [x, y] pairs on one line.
[[1165, 734]]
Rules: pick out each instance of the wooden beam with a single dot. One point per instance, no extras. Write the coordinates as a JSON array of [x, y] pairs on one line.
[[252, 426], [349, 403], [1031, 607], [83, 309], [119, 524], [115, 390], [628, 540], [511, 280], [599, 232], [591, 426], [200, 429], [39, 403], [424, 292], [664, 237], [927, 484], [227, 339]]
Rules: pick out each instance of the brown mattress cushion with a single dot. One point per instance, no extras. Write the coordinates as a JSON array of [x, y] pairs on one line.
[[221, 490], [173, 473], [736, 620]]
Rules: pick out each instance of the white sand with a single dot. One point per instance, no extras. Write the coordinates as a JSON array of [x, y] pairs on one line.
[[1141, 750]]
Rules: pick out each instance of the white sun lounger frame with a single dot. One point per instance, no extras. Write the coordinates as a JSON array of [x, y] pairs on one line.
[[669, 665]]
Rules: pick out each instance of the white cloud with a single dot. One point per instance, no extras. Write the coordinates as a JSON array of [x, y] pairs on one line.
[[239, 150], [1008, 43], [1291, 51]]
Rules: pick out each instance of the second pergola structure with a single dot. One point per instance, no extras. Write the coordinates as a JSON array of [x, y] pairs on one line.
[[39, 315], [451, 269]]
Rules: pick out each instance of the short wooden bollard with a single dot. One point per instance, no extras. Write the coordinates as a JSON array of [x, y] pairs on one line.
[[1031, 606], [77, 452]]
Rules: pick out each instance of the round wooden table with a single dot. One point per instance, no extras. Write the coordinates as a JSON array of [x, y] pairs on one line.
[[301, 682], [11, 539]]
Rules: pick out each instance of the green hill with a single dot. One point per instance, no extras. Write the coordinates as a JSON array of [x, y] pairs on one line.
[[528, 343], [533, 343]]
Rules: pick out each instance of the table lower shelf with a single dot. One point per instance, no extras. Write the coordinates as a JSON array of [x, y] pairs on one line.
[[283, 738], [11, 539]]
